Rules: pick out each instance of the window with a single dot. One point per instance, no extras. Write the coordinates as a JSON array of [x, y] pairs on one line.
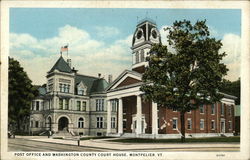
[[137, 57], [80, 91], [189, 111], [67, 88], [114, 105], [66, 104], [213, 125], [83, 106], [229, 125], [37, 105], [212, 109], [174, 109], [175, 124], [99, 122], [189, 124], [60, 87], [78, 105], [80, 123], [112, 122], [201, 108], [60, 103], [49, 104], [222, 109], [100, 105], [202, 124], [142, 56], [64, 88], [50, 87], [37, 124]]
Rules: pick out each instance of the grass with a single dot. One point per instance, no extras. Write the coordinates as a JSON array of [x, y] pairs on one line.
[[188, 140], [88, 138]]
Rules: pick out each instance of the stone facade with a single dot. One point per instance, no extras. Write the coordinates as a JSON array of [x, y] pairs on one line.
[[70, 101]]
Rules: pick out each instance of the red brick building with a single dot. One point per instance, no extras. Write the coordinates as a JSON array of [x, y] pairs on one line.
[[138, 118]]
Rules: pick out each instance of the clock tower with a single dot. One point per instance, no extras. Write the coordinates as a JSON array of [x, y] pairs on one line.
[[145, 35]]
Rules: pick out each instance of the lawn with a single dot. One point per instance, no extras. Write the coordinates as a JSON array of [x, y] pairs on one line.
[[188, 140]]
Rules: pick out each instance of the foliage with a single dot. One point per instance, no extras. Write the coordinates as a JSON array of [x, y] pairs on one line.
[[190, 75], [232, 88], [21, 92]]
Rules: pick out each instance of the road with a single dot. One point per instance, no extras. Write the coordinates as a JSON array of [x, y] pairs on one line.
[[55, 145], [18, 144]]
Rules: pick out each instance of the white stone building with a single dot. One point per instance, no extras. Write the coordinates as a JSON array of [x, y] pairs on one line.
[[70, 102]]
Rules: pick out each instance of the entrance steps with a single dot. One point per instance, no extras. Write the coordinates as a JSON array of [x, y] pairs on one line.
[[63, 135]]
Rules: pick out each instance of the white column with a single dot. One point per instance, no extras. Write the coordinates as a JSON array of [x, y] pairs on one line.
[[154, 118], [139, 115], [120, 117], [63, 106], [108, 117]]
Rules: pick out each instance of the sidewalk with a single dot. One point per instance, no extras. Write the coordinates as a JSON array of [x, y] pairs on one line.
[[117, 146]]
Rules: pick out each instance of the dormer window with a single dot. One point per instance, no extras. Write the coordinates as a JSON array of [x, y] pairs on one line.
[[81, 89]]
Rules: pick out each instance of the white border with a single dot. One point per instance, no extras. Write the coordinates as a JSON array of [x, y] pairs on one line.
[[245, 88]]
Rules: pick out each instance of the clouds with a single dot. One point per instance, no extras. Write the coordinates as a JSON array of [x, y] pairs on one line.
[[232, 47], [88, 55], [92, 56]]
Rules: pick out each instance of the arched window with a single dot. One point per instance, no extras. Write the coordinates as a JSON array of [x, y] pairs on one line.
[[81, 123]]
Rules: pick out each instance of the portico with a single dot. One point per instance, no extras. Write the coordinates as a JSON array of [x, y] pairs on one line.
[[134, 115]]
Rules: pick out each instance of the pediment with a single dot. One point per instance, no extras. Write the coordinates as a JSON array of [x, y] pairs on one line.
[[125, 79], [81, 85]]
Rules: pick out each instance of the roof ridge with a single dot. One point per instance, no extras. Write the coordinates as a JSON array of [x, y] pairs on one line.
[[87, 76], [61, 65]]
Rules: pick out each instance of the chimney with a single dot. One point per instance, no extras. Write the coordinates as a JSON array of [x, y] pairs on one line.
[[99, 75], [110, 78]]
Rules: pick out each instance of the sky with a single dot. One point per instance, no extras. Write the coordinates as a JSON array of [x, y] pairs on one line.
[[99, 39]]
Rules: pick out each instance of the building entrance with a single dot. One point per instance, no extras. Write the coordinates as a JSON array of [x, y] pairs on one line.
[[63, 124]]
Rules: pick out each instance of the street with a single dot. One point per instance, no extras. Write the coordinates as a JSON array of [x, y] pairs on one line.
[[101, 145], [19, 144]]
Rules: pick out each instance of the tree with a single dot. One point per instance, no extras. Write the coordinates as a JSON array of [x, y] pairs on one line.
[[232, 88], [190, 75], [21, 92]]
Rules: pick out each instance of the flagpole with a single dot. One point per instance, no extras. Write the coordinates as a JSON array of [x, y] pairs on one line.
[[68, 51]]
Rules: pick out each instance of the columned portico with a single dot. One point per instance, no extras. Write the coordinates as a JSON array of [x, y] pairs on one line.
[[120, 116]]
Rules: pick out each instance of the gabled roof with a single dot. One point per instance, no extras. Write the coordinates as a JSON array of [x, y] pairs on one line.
[[120, 78], [93, 84], [62, 66]]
